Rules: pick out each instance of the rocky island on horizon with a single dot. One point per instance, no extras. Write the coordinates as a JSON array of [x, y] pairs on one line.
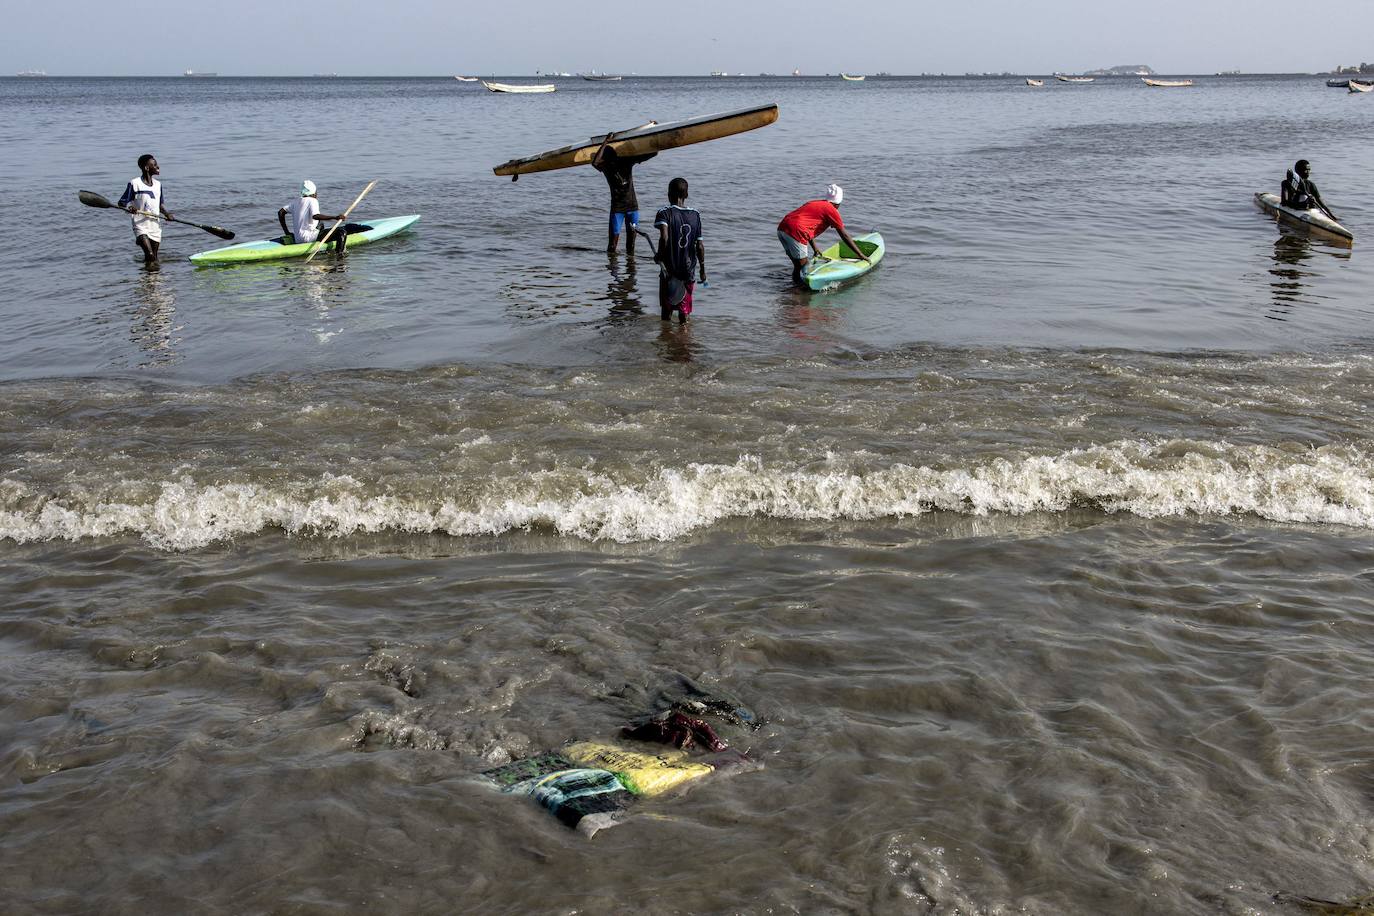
[[1123, 70]]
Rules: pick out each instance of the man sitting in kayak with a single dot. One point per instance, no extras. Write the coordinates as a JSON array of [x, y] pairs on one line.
[[619, 172], [306, 221], [1300, 193], [798, 230]]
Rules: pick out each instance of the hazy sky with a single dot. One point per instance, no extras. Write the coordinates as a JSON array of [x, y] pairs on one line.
[[442, 37]]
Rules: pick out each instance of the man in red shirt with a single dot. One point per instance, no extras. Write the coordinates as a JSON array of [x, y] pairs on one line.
[[798, 230]]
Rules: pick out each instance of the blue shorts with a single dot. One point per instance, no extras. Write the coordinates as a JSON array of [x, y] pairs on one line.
[[618, 221]]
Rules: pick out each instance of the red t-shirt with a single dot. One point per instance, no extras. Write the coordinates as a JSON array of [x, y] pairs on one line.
[[810, 220]]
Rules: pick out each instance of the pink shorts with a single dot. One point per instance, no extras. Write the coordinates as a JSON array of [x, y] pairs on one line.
[[665, 301]]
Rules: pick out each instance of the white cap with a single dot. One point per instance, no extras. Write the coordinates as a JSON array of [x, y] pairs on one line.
[[307, 188], [834, 193]]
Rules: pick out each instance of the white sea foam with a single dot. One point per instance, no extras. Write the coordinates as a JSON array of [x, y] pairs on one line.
[[1179, 478]]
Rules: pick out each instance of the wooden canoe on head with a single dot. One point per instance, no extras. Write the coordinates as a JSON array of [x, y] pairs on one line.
[[650, 138]]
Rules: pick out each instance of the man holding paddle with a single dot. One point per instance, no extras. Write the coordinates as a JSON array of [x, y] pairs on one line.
[[143, 198], [306, 218], [1300, 192]]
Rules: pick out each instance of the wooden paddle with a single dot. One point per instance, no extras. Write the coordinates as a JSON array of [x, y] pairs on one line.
[[324, 241], [92, 199]]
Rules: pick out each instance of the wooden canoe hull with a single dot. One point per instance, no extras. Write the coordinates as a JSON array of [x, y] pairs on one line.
[[1311, 219], [651, 138]]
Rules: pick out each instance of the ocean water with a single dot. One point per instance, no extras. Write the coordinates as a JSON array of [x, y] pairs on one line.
[[1043, 551]]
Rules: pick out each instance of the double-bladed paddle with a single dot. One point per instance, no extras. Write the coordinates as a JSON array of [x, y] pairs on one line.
[[92, 199]]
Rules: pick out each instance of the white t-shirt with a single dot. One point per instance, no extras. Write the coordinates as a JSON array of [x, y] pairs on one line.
[[147, 198], [300, 219]]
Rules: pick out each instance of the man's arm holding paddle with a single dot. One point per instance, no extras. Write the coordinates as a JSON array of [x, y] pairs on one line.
[[1316, 196]]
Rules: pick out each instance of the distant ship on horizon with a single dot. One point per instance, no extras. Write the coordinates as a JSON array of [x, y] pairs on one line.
[[199, 73], [32, 73]]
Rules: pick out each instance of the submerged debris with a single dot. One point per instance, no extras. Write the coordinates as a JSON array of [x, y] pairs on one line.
[[1360, 906]]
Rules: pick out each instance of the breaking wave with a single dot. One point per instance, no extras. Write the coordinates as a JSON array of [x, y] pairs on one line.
[[1173, 478]]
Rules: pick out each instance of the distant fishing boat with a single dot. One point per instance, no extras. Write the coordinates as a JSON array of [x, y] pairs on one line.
[[1166, 84], [466, 79], [600, 77], [1338, 84], [199, 73], [1031, 82], [522, 88], [32, 73], [1075, 79], [1356, 86], [852, 79]]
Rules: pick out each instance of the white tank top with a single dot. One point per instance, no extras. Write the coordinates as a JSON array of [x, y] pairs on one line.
[[145, 197]]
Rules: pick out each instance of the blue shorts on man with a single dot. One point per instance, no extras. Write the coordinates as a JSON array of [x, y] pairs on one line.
[[618, 221]]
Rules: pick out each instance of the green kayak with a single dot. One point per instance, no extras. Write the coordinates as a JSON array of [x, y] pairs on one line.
[[272, 249], [838, 264]]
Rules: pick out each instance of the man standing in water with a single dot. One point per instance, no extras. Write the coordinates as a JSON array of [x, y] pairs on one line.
[[798, 230], [306, 219], [680, 253], [143, 198], [624, 204], [1300, 193]]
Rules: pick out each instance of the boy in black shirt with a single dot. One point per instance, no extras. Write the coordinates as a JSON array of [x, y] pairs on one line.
[[1300, 192], [680, 253]]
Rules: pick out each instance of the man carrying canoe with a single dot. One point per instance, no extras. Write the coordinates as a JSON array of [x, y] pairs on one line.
[[306, 220], [798, 230], [1299, 193], [143, 198], [624, 204]]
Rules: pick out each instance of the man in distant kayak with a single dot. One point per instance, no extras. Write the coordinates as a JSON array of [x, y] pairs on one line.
[[143, 198], [680, 253], [1300, 193], [798, 230], [624, 204], [306, 223]]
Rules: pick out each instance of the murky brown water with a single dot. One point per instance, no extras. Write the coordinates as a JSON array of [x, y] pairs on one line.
[[1043, 553]]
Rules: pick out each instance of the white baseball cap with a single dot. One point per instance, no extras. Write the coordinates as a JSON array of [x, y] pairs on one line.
[[307, 188], [834, 193]]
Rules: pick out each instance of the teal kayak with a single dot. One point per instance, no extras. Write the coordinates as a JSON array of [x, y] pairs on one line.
[[837, 264], [272, 249]]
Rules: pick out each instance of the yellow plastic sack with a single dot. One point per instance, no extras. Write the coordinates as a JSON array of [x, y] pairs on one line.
[[642, 774]]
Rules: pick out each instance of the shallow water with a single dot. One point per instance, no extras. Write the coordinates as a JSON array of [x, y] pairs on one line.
[[1043, 550]]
